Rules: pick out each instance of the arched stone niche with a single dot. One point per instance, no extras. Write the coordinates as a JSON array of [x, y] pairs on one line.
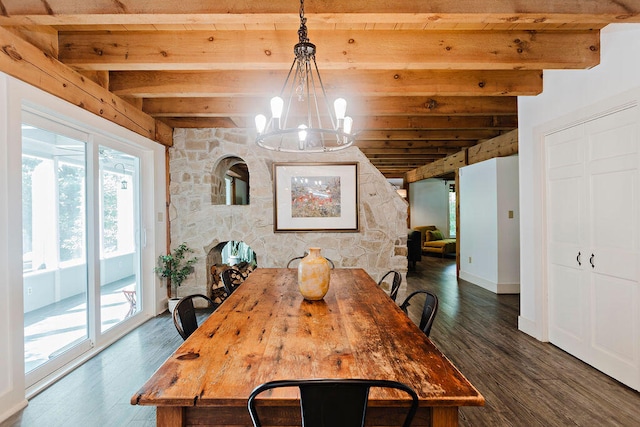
[[234, 170]]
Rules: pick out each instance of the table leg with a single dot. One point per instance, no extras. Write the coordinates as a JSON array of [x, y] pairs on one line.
[[169, 416], [444, 416]]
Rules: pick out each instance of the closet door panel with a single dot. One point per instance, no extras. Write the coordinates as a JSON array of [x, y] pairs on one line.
[[568, 289], [615, 334], [613, 230], [568, 314]]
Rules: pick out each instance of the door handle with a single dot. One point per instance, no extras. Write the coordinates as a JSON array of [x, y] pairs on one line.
[[578, 258], [591, 261]]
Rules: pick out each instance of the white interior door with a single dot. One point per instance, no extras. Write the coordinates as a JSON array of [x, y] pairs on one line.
[[568, 292], [613, 236], [593, 243]]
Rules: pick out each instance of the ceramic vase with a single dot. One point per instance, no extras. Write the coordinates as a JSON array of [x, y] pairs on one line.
[[313, 275]]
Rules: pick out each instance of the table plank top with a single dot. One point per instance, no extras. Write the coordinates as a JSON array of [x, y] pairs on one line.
[[266, 331]]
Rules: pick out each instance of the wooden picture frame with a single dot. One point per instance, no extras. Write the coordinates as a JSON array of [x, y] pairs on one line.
[[316, 197]]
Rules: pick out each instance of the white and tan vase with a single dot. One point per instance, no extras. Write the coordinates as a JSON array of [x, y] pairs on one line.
[[313, 275]]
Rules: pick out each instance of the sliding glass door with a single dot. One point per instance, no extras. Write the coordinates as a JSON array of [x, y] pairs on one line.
[[81, 228], [54, 243]]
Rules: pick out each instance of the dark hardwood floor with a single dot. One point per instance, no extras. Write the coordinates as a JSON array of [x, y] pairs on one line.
[[525, 382]]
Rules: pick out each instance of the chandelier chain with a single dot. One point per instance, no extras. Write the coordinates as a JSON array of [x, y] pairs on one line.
[[302, 31]]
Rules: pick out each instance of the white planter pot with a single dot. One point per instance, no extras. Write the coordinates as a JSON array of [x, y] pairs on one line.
[[172, 304]]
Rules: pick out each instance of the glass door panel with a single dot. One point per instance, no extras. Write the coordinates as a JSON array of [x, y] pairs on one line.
[[119, 255], [54, 244]]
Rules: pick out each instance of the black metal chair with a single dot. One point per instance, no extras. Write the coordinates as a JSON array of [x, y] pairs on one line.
[[231, 279], [429, 309], [334, 402], [184, 315], [395, 284], [414, 249], [292, 260]]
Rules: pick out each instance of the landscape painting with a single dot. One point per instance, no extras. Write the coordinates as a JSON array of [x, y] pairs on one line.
[[319, 197], [315, 197]]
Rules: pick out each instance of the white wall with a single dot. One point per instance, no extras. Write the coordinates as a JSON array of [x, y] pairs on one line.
[[488, 192], [429, 201], [508, 215], [565, 92]]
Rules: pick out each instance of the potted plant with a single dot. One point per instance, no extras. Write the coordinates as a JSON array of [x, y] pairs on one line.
[[234, 252], [176, 268]]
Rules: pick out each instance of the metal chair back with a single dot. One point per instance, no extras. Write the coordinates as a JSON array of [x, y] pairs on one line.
[[395, 284], [230, 282], [429, 309], [184, 315], [334, 402]]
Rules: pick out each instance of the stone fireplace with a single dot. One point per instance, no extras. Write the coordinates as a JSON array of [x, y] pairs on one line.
[[216, 264], [196, 160]]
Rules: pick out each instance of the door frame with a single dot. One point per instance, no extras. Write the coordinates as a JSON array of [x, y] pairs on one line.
[[153, 222]]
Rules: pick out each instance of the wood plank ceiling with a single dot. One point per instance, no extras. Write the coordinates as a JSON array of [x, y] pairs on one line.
[[423, 79]]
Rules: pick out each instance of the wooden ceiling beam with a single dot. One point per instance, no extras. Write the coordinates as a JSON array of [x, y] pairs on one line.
[[65, 12], [420, 134], [381, 152], [199, 122], [346, 82], [339, 49], [434, 106], [421, 144], [372, 106], [437, 122], [404, 160], [29, 64], [175, 115]]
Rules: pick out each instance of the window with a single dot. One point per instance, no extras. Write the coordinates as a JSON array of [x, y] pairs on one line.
[[452, 210], [53, 193]]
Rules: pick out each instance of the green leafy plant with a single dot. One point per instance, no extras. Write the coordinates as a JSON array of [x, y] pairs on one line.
[[175, 266], [235, 248]]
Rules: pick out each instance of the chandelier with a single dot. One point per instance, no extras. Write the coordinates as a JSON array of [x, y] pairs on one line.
[[302, 119]]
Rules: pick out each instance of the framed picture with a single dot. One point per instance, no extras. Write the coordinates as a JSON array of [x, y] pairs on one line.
[[318, 197]]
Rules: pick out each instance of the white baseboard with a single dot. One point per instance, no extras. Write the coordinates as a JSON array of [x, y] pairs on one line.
[[529, 327], [13, 410], [496, 288]]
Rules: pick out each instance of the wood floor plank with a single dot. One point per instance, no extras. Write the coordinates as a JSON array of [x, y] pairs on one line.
[[525, 382]]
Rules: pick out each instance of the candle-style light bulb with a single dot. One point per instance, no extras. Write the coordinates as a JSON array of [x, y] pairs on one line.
[[302, 136], [348, 124], [340, 107], [277, 105], [261, 123]]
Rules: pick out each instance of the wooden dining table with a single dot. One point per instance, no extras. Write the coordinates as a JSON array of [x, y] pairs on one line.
[[266, 331]]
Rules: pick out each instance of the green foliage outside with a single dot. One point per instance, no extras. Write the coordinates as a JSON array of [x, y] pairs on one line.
[[71, 211], [110, 185]]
